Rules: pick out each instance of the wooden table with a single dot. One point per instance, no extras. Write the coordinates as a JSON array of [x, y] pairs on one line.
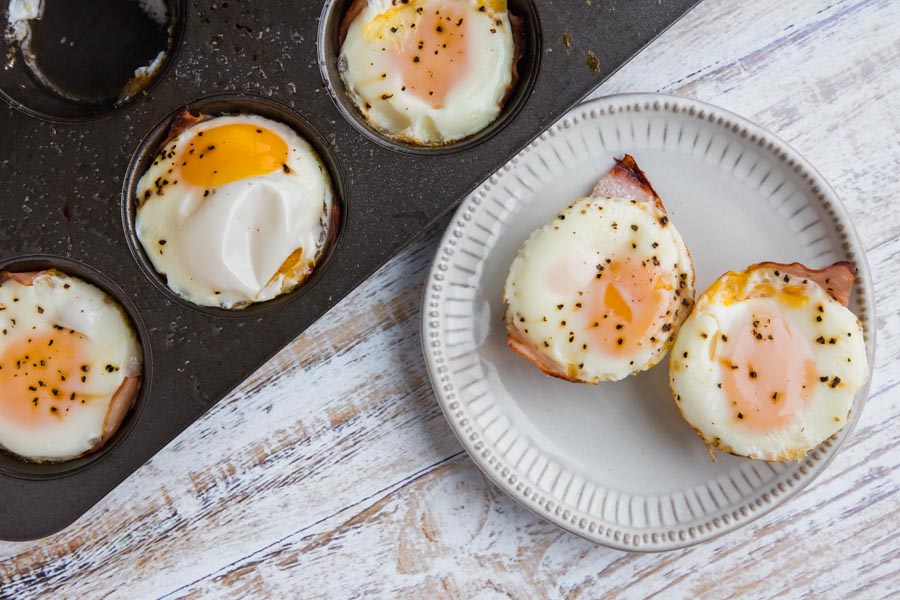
[[331, 472]]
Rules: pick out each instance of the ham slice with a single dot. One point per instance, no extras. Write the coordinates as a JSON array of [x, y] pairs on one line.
[[121, 403], [626, 180], [26, 279], [836, 279], [517, 25], [350, 15], [183, 120], [518, 344]]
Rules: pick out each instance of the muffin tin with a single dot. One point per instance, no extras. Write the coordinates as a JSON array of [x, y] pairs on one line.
[[66, 197]]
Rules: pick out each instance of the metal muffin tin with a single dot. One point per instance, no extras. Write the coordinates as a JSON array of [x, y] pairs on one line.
[[66, 197]]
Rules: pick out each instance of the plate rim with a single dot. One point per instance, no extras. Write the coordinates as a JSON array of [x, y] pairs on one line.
[[743, 512]]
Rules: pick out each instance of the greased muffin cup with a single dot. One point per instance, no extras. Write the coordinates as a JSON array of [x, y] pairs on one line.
[[86, 60]]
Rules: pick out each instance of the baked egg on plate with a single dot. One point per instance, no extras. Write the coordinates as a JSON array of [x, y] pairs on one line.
[[598, 293], [769, 361]]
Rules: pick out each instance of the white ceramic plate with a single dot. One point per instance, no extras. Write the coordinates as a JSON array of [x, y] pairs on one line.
[[615, 462]]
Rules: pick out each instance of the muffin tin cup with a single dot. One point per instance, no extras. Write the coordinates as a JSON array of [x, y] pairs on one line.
[[217, 105], [15, 466], [69, 191], [22, 89], [329, 46]]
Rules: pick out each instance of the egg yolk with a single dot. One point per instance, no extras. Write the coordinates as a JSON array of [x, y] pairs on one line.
[[432, 57], [626, 304], [734, 288], [227, 153], [41, 377], [768, 370]]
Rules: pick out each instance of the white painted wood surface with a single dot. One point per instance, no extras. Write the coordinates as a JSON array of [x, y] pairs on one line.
[[331, 472]]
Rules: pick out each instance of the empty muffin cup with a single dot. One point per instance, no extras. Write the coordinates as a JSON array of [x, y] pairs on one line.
[[429, 76], [74, 367], [73, 61], [233, 205]]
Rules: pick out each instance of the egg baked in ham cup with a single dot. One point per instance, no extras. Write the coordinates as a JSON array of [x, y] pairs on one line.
[[234, 210], [770, 360], [70, 366], [429, 72], [598, 293]]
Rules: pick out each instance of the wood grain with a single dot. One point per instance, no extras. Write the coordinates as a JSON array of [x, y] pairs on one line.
[[331, 472]]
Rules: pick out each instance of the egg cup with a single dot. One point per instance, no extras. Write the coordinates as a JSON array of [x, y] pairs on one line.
[[527, 66], [219, 105], [16, 466]]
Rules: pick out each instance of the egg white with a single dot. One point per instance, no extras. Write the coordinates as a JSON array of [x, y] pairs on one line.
[[594, 229], [378, 92], [695, 369], [68, 302], [224, 246]]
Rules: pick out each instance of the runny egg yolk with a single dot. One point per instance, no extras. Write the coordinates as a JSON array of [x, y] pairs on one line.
[[40, 377], [768, 370], [432, 57], [227, 153]]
